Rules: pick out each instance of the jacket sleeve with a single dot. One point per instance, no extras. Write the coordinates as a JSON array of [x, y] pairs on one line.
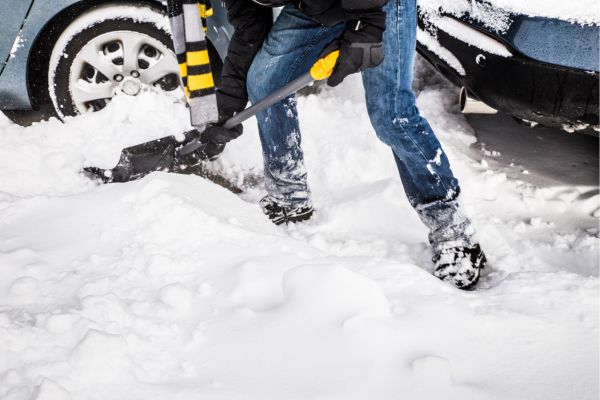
[[251, 24], [363, 5], [331, 12]]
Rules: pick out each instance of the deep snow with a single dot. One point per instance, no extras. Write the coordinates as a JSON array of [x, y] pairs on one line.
[[172, 287]]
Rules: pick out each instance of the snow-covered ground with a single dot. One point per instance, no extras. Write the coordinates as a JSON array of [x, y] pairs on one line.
[[174, 288]]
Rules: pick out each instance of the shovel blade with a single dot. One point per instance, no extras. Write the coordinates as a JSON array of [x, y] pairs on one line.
[[138, 161]]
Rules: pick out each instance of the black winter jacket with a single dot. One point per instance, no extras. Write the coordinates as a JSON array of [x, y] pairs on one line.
[[252, 24]]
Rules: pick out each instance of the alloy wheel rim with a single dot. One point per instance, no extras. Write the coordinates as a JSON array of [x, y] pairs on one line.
[[125, 62]]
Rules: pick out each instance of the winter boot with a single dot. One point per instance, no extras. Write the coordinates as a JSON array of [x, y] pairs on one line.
[[460, 266], [284, 215]]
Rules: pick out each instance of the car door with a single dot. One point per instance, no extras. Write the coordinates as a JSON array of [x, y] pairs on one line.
[[13, 14]]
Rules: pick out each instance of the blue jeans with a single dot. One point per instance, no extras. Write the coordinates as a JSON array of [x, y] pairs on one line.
[[292, 46]]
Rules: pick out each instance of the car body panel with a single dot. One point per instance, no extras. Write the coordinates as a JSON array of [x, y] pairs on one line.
[[14, 90], [551, 40], [11, 26], [517, 84]]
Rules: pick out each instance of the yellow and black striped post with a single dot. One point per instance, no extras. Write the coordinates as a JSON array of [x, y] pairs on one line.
[[188, 26]]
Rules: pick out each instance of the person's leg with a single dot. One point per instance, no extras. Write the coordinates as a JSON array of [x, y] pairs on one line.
[[289, 51], [424, 167]]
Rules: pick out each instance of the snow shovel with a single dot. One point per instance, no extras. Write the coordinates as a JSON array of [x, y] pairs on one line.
[[169, 154]]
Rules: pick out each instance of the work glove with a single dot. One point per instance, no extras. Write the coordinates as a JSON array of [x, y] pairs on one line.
[[207, 145], [361, 45], [215, 137]]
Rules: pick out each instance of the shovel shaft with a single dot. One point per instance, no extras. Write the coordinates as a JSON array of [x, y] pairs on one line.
[[250, 112], [271, 99], [321, 70]]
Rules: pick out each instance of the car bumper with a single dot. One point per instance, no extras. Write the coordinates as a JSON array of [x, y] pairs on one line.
[[518, 85]]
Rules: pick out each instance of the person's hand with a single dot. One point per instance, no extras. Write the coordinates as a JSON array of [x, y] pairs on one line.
[[207, 145], [361, 46], [215, 137], [210, 151], [217, 133]]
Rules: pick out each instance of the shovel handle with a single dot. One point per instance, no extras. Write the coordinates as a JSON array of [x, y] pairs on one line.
[[268, 101], [321, 70]]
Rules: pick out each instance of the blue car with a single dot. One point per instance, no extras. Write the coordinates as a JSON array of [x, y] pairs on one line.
[[68, 57], [534, 68]]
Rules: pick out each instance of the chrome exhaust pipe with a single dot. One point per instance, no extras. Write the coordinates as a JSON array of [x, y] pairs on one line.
[[470, 105]]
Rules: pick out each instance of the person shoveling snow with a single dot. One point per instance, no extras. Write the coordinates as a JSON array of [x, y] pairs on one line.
[[375, 37]]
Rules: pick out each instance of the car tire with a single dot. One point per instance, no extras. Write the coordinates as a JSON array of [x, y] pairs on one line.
[[110, 50], [28, 117]]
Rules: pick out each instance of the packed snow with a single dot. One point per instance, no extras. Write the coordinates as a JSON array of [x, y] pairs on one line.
[[17, 44], [172, 287]]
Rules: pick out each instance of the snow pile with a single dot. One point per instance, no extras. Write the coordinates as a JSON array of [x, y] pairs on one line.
[[173, 287], [496, 13], [46, 158]]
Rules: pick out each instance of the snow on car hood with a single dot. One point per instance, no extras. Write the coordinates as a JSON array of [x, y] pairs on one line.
[[495, 13]]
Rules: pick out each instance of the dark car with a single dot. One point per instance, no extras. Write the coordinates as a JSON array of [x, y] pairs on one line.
[[69, 57], [534, 68]]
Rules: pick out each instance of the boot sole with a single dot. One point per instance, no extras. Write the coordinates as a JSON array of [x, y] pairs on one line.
[[296, 218]]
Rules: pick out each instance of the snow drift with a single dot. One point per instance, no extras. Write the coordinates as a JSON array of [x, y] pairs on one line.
[[173, 287]]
